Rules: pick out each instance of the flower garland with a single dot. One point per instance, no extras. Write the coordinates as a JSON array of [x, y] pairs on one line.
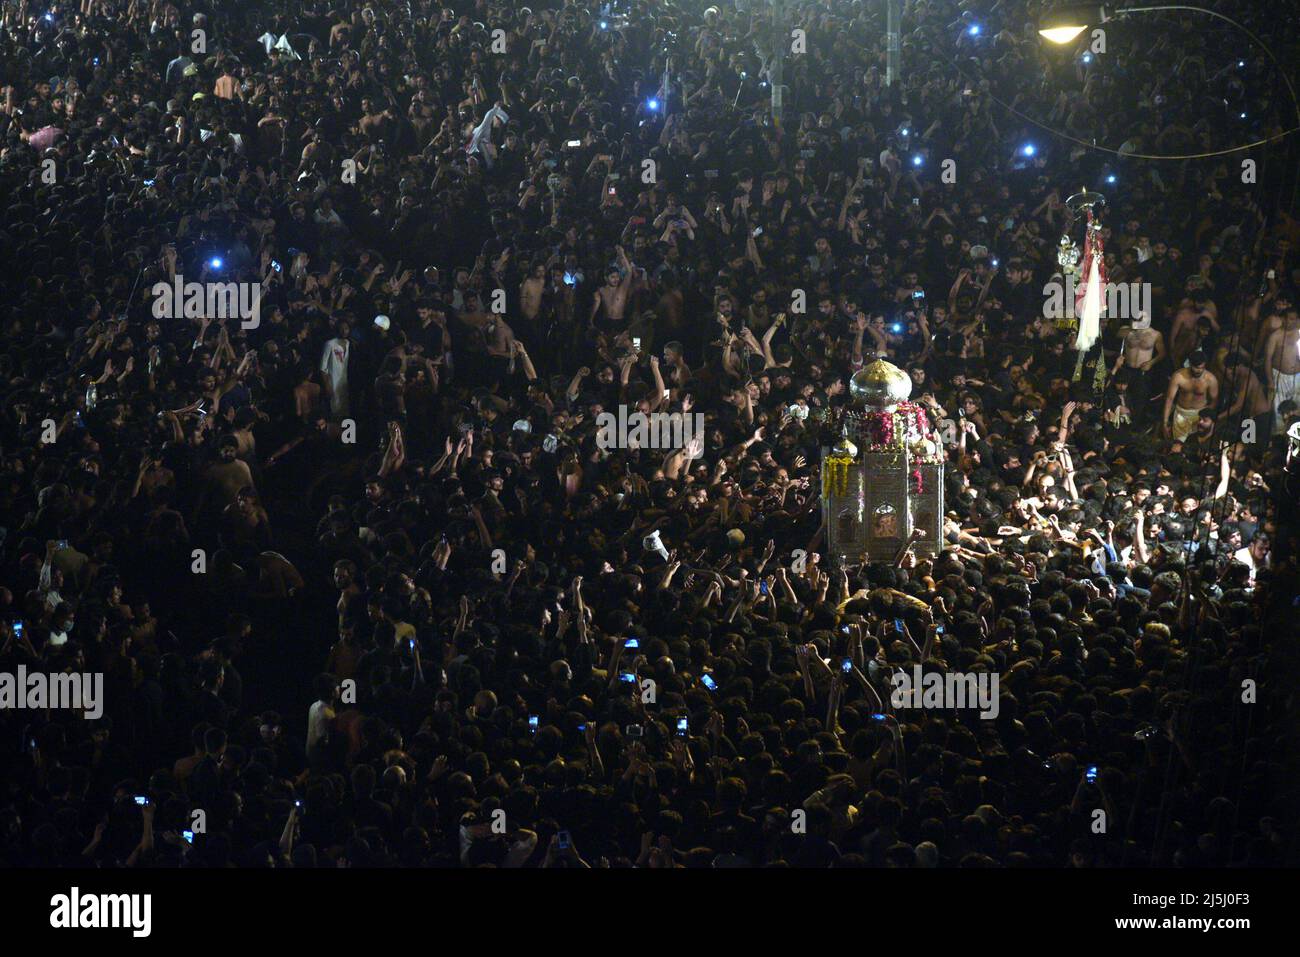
[[882, 431], [920, 422], [835, 475], [887, 431]]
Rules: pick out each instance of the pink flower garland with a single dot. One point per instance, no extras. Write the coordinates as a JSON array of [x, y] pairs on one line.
[[885, 431]]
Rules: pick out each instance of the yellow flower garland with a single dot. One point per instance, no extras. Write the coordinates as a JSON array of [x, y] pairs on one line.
[[835, 475]]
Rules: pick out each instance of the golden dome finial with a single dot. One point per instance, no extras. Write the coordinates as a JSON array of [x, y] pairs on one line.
[[880, 384]]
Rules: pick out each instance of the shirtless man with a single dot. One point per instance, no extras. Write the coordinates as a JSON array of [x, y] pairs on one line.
[[223, 481], [668, 310], [476, 321], [500, 338], [491, 340], [530, 292], [1251, 398], [613, 296], [1190, 390], [1143, 348], [1271, 324], [374, 122], [345, 575], [679, 373], [1282, 365], [1182, 337]]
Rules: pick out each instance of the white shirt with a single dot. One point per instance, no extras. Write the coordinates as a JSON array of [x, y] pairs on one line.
[[318, 718], [1246, 558], [332, 219]]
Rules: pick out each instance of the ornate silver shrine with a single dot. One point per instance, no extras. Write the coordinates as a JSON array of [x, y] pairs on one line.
[[882, 472]]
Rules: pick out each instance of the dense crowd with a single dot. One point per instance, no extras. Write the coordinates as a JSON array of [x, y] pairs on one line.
[[365, 589]]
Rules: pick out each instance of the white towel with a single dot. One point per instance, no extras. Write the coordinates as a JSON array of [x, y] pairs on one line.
[[484, 131]]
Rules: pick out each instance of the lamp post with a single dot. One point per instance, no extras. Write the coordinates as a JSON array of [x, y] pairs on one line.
[[780, 37], [893, 39], [1064, 23]]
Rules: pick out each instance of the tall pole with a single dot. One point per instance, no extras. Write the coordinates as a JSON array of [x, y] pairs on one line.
[[780, 38], [893, 39]]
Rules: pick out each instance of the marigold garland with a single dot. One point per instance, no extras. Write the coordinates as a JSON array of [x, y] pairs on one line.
[[835, 475]]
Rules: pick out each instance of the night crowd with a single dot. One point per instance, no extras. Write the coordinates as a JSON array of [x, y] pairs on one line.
[[366, 591]]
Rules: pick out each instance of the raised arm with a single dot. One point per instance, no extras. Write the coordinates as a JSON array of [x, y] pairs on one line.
[[1225, 474]]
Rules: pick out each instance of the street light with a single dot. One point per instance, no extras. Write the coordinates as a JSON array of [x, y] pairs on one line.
[[1063, 24]]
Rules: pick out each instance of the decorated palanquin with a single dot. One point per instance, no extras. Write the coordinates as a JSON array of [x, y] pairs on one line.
[[882, 472]]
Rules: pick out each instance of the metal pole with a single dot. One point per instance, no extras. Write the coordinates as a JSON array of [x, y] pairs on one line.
[[893, 39], [780, 37]]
